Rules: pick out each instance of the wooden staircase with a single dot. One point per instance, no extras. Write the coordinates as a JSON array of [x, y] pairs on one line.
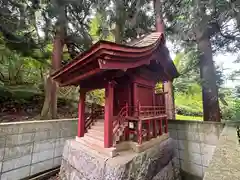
[[94, 139]]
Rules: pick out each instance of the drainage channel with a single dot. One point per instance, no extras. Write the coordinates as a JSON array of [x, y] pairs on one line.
[[45, 175]]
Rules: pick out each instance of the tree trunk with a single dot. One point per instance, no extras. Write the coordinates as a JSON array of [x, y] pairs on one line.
[[50, 102], [211, 108], [56, 64], [169, 100], [46, 105], [158, 15], [117, 33], [168, 86]]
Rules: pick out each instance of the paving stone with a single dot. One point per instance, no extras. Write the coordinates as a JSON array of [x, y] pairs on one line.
[[57, 161], [189, 146], [191, 157], [191, 168], [173, 133], [17, 139], [190, 136], [45, 135], [16, 163], [172, 125], [2, 142], [44, 145], [209, 138], [41, 166], [16, 174], [64, 133], [58, 151], [18, 151], [187, 126], [61, 141], [1, 153], [6, 129], [43, 155], [0, 166], [176, 162], [207, 148]]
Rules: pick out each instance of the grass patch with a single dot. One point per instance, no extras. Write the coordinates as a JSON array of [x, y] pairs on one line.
[[193, 118]]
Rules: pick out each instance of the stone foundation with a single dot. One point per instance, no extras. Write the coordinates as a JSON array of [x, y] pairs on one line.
[[82, 163]]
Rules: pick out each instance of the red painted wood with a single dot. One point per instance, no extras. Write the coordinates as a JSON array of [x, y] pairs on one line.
[[81, 112], [166, 125], [121, 96], [106, 64], [139, 132], [144, 81], [145, 95], [154, 128], [160, 126], [81, 77], [135, 95], [126, 133], [108, 125], [148, 129], [96, 48]]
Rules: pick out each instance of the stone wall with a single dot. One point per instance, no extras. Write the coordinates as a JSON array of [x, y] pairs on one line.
[[226, 159], [27, 148], [156, 163], [195, 142]]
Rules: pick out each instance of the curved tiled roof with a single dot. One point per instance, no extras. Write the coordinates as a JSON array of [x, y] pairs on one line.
[[145, 40], [110, 55]]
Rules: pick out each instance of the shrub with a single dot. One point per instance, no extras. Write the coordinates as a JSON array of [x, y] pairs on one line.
[[188, 104]]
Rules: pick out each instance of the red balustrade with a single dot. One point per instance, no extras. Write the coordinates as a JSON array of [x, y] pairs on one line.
[[149, 115], [95, 113]]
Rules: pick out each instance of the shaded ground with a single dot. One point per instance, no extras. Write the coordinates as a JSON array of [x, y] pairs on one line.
[[54, 178], [12, 110]]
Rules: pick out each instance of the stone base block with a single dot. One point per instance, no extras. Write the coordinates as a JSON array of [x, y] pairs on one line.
[[82, 163]]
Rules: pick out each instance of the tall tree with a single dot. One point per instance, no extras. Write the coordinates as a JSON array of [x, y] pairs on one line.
[[211, 25], [125, 20], [168, 86], [62, 22]]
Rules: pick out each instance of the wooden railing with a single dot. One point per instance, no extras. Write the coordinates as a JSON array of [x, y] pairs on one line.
[[150, 121], [119, 124], [146, 111], [150, 111], [96, 112]]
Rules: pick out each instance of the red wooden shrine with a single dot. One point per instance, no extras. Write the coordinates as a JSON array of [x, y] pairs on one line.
[[128, 73]]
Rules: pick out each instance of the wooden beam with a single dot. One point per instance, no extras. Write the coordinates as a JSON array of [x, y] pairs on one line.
[[81, 77]]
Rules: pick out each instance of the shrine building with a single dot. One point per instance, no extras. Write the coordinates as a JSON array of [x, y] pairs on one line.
[[133, 111]]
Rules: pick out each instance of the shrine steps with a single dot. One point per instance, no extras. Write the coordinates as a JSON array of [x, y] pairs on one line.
[[94, 138]]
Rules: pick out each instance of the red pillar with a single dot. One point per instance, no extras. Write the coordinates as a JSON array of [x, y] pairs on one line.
[[81, 112], [108, 124], [154, 121], [160, 126], [166, 125]]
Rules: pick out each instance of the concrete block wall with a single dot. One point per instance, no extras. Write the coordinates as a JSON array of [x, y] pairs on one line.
[[195, 142], [30, 147]]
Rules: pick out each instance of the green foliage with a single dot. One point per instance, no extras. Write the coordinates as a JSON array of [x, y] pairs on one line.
[[126, 19], [188, 104], [187, 65], [231, 110], [99, 30], [96, 96], [191, 118]]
